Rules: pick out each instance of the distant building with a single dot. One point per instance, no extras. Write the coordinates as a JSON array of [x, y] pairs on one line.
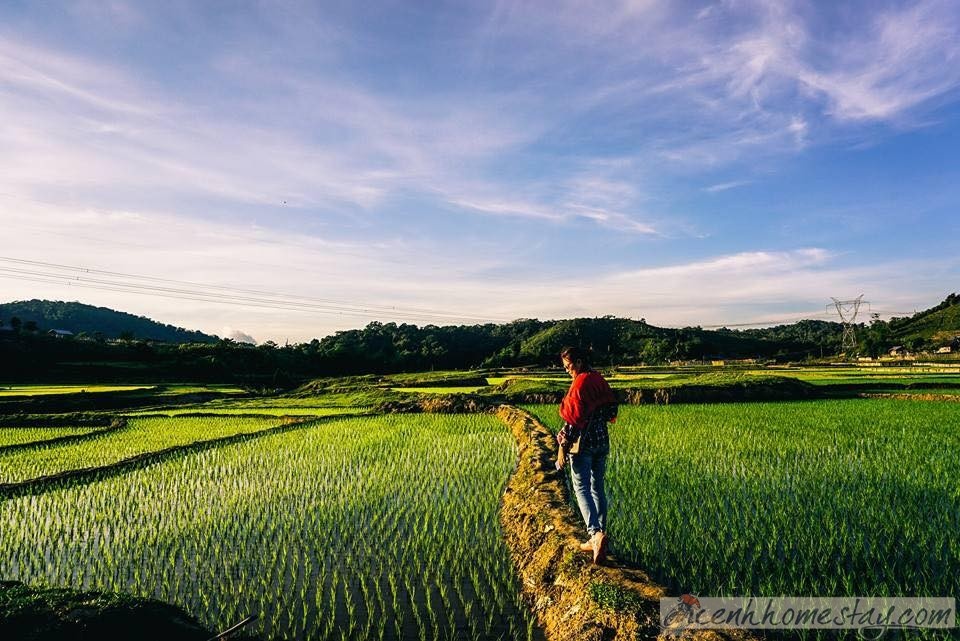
[[946, 349], [898, 350], [60, 333]]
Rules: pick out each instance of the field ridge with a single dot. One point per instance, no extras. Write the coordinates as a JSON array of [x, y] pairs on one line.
[[117, 424], [558, 582], [86, 475]]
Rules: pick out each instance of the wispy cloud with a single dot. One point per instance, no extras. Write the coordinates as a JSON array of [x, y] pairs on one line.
[[727, 288], [106, 129], [750, 287], [886, 63], [733, 184], [770, 84], [752, 78], [906, 57], [456, 158]]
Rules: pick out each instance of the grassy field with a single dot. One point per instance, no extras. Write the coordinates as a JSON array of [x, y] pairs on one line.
[[844, 497], [177, 390], [355, 528], [160, 390], [460, 389], [247, 409], [822, 376], [29, 435], [45, 390], [370, 527], [142, 435]]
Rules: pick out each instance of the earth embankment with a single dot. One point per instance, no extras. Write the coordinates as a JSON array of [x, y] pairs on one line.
[[572, 598]]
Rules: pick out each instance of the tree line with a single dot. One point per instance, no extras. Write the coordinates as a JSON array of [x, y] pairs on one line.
[[382, 348]]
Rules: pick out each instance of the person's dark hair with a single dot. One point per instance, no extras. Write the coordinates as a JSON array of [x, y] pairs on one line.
[[576, 355]]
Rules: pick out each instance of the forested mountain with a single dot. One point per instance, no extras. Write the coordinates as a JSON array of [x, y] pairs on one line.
[[93, 321], [934, 327]]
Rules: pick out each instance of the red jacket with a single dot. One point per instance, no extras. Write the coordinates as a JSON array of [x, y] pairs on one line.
[[587, 392]]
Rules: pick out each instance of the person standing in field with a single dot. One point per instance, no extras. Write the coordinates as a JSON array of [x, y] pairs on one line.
[[585, 444]]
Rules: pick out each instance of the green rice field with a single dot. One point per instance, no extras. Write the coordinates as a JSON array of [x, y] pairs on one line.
[[28, 435], [462, 389], [140, 436], [351, 528], [826, 498], [45, 390], [292, 409]]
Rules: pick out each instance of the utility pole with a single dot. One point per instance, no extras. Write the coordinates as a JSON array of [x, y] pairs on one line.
[[847, 310]]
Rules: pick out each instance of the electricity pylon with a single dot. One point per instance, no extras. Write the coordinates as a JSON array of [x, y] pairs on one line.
[[848, 310]]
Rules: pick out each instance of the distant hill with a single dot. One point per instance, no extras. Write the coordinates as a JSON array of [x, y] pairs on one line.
[[388, 347], [96, 321], [936, 326]]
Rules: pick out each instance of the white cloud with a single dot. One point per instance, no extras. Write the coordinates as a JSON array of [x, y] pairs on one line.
[[341, 280], [579, 118], [508, 208], [748, 287], [565, 212], [237, 335], [632, 71], [741, 81], [733, 184], [86, 125], [905, 58]]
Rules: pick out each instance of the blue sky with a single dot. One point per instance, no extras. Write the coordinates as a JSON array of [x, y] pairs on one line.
[[686, 162]]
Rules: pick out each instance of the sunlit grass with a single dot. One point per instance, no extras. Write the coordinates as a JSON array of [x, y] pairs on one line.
[[356, 528], [46, 390], [247, 410], [142, 435], [25, 435], [438, 390], [848, 497]]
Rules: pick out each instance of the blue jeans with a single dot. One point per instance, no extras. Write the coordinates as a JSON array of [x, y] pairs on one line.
[[587, 468]]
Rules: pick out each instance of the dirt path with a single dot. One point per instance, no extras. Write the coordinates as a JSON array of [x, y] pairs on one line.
[[572, 598]]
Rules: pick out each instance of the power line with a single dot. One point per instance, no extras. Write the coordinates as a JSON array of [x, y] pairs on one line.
[[781, 321], [202, 292], [201, 298], [121, 282], [273, 295]]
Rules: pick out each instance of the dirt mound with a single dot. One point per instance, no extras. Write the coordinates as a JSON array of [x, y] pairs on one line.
[[767, 388], [707, 388], [437, 404], [572, 598], [451, 381]]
